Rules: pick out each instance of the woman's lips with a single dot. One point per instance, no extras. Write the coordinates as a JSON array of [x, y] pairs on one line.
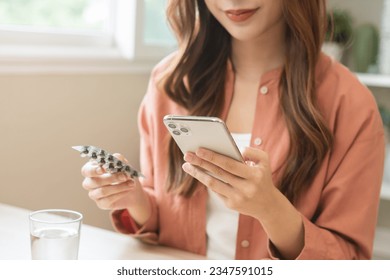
[[240, 15]]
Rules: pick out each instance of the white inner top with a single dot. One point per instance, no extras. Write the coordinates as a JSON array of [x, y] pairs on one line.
[[222, 222]]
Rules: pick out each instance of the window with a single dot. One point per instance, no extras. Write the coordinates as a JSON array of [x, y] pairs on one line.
[[153, 35], [83, 15], [107, 30], [156, 28], [75, 22]]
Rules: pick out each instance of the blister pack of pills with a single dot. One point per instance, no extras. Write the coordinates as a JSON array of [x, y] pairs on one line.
[[109, 162]]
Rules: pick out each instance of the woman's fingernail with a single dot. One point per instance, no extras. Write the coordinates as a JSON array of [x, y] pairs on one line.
[[99, 170], [188, 157], [201, 152], [186, 167], [250, 163], [123, 177]]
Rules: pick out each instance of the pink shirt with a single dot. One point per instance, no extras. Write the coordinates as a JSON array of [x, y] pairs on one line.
[[339, 210]]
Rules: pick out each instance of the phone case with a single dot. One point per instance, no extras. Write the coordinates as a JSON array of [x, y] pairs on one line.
[[193, 132], [107, 160]]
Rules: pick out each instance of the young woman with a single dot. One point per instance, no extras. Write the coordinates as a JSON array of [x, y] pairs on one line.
[[314, 140]]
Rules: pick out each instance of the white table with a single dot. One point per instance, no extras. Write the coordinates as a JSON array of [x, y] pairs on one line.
[[95, 243]]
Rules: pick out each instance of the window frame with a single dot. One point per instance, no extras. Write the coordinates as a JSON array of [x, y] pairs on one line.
[[46, 51]]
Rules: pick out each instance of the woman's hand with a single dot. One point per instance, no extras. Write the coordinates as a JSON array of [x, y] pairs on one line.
[[244, 187], [248, 188], [116, 191]]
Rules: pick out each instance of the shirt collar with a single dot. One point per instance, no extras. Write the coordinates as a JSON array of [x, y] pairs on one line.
[[273, 74]]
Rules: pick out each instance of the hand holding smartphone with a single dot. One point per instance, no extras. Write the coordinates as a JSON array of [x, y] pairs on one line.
[[193, 132]]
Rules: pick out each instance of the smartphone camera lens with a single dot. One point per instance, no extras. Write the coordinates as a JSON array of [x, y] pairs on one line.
[[176, 132], [172, 125], [183, 129]]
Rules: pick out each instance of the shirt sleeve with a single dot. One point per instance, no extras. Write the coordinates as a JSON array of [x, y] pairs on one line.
[[121, 219], [343, 225]]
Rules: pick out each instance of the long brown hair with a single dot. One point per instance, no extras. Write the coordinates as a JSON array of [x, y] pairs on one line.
[[197, 82]]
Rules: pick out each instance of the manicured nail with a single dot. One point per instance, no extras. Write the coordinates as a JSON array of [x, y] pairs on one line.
[[186, 167], [122, 177], [188, 157], [200, 152], [99, 170]]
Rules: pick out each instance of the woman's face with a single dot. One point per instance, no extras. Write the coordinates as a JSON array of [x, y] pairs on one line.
[[248, 19]]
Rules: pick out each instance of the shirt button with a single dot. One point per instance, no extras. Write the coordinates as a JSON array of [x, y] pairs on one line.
[[264, 90], [258, 141], [244, 243]]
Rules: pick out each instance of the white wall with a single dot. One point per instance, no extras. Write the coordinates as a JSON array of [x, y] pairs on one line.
[[42, 116]]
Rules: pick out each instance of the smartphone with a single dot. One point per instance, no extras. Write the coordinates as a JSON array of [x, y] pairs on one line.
[[193, 132]]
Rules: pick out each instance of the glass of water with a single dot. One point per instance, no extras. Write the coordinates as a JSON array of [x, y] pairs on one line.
[[55, 234]]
